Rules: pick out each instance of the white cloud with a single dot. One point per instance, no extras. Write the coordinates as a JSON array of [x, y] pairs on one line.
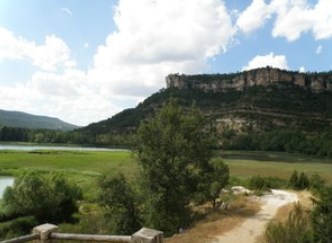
[[277, 61], [302, 69], [293, 18], [53, 54], [253, 16], [86, 45], [155, 38], [67, 11], [71, 83], [67, 96], [319, 49]]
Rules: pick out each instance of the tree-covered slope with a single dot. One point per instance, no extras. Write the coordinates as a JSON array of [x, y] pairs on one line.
[[282, 105], [25, 120]]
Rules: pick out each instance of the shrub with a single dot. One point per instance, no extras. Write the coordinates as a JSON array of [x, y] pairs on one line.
[[48, 198], [17, 227], [295, 230], [316, 182], [298, 182], [263, 183]]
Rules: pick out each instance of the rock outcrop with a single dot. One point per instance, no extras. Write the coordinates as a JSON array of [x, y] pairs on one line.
[[316, 82]]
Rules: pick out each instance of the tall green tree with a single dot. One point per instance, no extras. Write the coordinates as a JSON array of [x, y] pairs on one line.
[[322, 216], [173, 152], [214, 180], [121, 204]]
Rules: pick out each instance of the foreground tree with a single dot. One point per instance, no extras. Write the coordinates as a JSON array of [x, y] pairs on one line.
[[120, 202], [322, 216], [49, 198], [215, 178], [173, 152]]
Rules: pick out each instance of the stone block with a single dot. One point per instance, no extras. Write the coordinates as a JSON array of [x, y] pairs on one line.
[[146, 235], [44, 231]]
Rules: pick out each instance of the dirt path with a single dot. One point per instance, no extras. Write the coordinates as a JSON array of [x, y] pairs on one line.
[[255, 225]]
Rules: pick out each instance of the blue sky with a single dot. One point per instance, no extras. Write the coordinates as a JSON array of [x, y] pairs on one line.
[[84, 61]]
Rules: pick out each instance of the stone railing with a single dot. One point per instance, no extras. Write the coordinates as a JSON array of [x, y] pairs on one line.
[[48, 232]]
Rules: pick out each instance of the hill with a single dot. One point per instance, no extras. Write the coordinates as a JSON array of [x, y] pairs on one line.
[[278, 112], [280, 104], [25, 120]]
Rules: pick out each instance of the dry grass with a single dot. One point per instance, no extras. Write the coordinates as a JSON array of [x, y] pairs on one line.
[[304, 200], [218, 222], [284, 211]]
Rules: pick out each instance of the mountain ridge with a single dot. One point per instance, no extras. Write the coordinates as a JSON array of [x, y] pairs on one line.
[[26, 120], [316, 82]]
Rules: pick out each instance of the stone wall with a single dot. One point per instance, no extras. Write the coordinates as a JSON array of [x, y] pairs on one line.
[[317, 82]]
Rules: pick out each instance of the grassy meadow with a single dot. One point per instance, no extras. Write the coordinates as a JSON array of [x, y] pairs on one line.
[[84, 167], [245, 164], [81, 167]]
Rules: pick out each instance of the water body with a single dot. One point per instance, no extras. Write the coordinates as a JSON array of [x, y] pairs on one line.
[[4, 182], [32, 148]]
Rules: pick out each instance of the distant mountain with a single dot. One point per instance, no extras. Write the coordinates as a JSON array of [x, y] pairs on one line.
[[25, 120], [260, 99]]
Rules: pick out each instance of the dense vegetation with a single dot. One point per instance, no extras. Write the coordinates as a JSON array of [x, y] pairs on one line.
[[18, 134], [285, 140]]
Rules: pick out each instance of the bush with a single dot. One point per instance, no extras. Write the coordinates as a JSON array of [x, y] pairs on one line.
[[17, 227], [316, 182], [298, 182], [49, 199], [264, 183], [295, 230]]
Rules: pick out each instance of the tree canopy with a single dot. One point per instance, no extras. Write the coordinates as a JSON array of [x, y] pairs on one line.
[[173, 150], [51, 198]]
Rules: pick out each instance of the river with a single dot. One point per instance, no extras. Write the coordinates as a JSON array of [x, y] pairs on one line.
[[46, 147]]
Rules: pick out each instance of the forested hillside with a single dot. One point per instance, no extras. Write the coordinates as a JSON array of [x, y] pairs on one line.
[[282, 117]]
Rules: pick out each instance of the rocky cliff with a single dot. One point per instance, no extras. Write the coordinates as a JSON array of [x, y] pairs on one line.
[[316, 82]]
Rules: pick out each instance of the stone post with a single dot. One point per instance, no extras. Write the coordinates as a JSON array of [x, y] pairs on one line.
[[44, 231], [146, 235]]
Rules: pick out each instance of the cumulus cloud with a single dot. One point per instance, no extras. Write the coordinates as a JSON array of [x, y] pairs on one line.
[[292, 18], [50, 56], [155, 38], [277, 61], [65, 95], [302, 69], [152, 39], [253, 16]]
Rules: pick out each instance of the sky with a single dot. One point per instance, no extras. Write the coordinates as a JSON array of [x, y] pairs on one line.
[[84, 61]]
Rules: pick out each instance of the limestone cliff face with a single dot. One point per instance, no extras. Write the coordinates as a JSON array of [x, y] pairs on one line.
[[317, 82]]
